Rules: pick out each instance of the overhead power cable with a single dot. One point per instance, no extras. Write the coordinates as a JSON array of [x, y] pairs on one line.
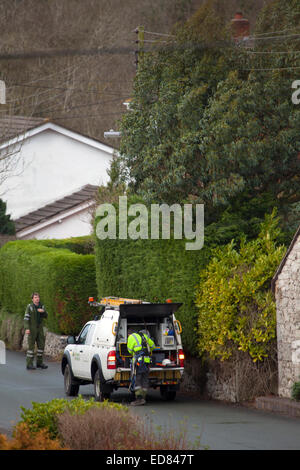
[[92, 91], [274, 37], [65, 52], [98, 103], [55, 74], [160, 34], [81, 116], [125, 49], [154, 41], [275, 32], [271, 69], [271, 52]]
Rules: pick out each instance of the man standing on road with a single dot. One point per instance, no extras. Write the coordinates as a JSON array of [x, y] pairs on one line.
[[33, 324], [140, 346]]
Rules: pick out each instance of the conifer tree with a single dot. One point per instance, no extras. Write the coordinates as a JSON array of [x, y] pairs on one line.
[[214, 123], [7, 226]]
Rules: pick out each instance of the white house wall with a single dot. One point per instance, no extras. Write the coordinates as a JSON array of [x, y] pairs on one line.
[[75, 225], [52, 166]]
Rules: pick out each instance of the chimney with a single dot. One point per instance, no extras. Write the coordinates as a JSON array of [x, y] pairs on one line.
[[240, 27]]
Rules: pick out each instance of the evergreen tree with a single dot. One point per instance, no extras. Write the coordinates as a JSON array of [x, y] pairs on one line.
[[250, 129], [172, 88], [215, 124], [7, 226]]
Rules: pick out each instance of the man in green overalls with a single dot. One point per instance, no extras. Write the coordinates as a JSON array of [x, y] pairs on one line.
[[140, 346], [33, 325]]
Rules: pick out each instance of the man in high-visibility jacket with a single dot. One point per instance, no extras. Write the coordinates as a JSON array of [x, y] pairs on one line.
[[140, 346], [33, 325]]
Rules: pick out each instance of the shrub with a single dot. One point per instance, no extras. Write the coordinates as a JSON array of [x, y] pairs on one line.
[[80, 245], [44, 415], [24, 439], [109, 428], [236, 306], [99, 429], [296, 391], [64, 279], [80, 424]]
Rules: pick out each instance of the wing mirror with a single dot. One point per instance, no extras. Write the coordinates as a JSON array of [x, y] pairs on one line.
[[71, 340]]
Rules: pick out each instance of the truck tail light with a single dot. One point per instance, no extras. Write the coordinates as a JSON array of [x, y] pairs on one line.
[[181, 357], [111, 360]]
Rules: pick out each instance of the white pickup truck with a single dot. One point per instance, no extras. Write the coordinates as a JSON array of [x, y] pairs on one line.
[[99, 353]]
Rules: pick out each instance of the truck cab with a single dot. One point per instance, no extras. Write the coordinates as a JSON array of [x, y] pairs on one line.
[[99, 353]]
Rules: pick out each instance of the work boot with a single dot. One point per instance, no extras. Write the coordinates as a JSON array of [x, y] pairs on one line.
[[42, 366], [138, 402], [30, 367]]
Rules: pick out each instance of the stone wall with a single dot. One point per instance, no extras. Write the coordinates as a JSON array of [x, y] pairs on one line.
[[240, 379], [54, 344], [287, 294], [12, 333]]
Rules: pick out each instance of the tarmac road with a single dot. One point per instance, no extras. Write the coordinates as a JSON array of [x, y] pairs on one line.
[[218, 426]]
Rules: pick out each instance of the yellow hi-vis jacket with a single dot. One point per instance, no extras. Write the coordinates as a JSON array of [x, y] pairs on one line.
[[135, 346]]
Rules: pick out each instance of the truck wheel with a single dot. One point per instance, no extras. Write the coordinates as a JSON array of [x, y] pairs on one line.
[[100, 395], [71, 389], [168, 395]]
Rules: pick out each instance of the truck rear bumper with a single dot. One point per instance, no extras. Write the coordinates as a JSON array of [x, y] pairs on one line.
[[157, 376]]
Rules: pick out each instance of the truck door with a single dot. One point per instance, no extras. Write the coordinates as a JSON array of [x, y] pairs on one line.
[[177, 328], [80, 350], [77, 350], [85, 352]]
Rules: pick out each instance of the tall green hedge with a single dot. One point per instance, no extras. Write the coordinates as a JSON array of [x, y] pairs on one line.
[[80, 245], [63, 278], [152, 270]]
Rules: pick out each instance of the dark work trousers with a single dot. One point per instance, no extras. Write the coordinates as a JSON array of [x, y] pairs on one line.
[[37, 337], [142, 381]]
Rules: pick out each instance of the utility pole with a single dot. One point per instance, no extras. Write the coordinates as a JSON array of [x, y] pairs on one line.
[[139, 53]]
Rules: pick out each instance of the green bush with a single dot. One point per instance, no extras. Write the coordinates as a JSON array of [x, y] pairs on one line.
[[296, 391], [236, 307], [63, 278], [44, 415], [80, 424], [80, 245]]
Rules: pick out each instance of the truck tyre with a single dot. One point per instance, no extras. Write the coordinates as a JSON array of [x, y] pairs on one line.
[[71, 389], [167, 395], [100, 395]]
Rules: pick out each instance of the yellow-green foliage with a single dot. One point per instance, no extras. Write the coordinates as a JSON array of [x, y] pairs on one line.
[[236, 306]]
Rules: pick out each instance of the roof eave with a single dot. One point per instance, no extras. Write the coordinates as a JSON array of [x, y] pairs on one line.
[[62, 130]]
